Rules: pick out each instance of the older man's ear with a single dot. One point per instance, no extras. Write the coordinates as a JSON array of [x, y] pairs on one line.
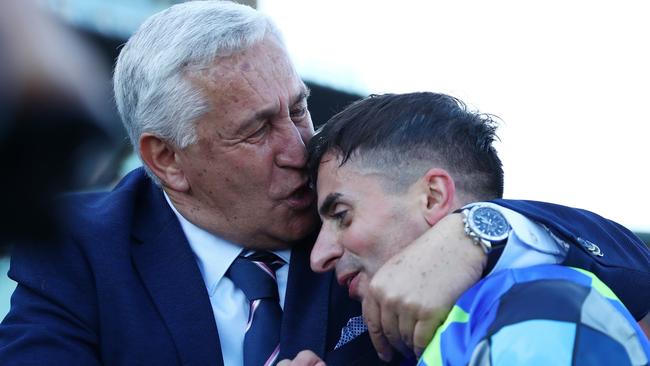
[[162, 159], [439, 192]]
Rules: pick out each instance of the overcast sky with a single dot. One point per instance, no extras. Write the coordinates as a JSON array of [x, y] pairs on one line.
[[570, 79]]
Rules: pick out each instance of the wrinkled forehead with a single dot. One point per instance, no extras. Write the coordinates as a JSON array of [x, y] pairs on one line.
[[246, 83], [263, 64]]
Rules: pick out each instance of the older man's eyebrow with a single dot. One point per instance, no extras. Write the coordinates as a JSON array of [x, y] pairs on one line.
[[329, 201], [259, 116], [305, 92], [269, 111]]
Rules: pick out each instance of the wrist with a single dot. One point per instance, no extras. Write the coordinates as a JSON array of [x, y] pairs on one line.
[[474, 257], [486, 226]]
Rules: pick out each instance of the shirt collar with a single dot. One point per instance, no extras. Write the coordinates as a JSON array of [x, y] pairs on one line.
[[214, 255]]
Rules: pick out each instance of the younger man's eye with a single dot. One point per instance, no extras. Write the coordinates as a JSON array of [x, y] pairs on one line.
[[340, 216]]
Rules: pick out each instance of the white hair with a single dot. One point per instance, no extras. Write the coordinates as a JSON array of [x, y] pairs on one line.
[[151, 92]]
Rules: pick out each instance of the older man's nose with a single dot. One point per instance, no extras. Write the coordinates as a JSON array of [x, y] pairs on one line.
[[293, 153]]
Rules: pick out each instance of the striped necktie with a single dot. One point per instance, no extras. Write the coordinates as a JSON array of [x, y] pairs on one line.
[[254, 274]]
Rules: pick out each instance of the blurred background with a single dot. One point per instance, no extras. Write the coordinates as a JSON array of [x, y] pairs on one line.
[[568, 79]]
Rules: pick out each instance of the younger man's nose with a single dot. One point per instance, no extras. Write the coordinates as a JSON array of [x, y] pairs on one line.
[[325, 252]]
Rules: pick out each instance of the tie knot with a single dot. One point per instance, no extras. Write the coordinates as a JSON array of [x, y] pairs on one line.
[[254, 274], [270, 260]]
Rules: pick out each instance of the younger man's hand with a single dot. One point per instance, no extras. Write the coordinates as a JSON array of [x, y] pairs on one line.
[[412, 293]]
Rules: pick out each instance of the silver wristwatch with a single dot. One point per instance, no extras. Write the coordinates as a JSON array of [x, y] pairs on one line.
[[486, 226]]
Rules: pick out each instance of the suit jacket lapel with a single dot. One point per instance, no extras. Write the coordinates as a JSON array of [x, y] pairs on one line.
[[168, 269], [305, 318]]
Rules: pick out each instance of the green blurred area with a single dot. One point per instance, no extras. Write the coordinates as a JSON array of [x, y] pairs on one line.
[[645, 237]]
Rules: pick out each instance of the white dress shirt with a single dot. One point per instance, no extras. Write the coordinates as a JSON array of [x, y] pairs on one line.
[[229, 304]]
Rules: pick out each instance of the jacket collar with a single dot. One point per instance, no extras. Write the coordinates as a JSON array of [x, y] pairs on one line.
[[163, 258], [306, 306]]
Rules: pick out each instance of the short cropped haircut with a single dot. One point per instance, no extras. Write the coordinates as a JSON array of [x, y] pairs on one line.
[[402, 136], [151, 90]]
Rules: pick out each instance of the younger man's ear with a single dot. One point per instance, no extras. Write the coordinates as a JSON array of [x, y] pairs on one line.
[[440, 195], [161, 158]]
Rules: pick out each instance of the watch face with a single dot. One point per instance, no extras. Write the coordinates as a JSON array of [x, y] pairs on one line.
[[489, 223]]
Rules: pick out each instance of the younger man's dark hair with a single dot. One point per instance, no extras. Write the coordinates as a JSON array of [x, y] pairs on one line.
[[404, 135]]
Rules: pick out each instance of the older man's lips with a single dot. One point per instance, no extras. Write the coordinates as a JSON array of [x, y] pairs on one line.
[[301, 198]]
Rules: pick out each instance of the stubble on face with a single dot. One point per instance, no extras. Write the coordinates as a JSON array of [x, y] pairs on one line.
[[363, 224]]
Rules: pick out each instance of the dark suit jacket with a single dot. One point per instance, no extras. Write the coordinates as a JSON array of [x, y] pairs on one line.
[[617, 256], [123, 288]]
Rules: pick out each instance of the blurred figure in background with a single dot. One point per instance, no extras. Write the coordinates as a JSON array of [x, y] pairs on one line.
[[58, 129]]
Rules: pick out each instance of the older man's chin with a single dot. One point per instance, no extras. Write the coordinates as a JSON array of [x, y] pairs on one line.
[[303, 225]]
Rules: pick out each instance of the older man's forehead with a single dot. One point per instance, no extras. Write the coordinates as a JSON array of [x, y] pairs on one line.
[[252, 88]]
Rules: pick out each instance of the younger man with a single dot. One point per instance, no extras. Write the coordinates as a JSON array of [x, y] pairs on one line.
[[390, 167]]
